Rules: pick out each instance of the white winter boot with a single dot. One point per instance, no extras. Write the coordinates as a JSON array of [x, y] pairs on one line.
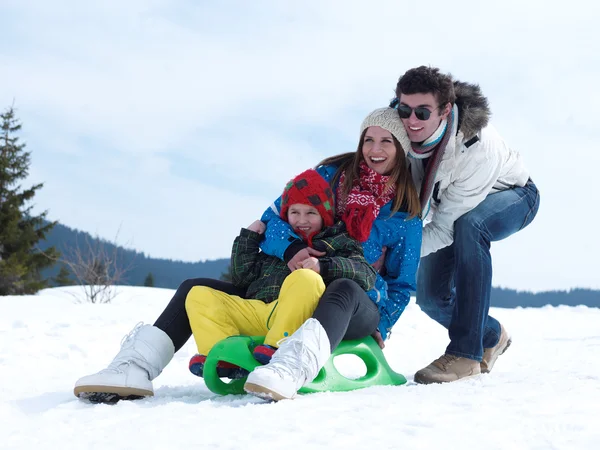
[[296, 363], [145, 352]]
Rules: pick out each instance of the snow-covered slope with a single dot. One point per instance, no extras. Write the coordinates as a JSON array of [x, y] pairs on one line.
[[544, 393]]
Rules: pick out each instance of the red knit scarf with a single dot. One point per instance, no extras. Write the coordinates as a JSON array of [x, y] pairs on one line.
[[368, 194]]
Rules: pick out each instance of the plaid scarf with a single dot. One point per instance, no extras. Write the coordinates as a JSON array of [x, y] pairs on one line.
[[432, 148], [361, 207]]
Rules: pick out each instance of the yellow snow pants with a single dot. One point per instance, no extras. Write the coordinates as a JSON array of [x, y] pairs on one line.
[[215, 315]]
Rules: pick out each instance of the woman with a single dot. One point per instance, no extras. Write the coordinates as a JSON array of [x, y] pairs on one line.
[[391, 238], [377, 200]]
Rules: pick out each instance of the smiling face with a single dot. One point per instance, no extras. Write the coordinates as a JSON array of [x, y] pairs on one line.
[[420, 130], [379, 150], [304, 219]]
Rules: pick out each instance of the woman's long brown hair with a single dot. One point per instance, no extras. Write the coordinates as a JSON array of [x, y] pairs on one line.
[[406, 194]]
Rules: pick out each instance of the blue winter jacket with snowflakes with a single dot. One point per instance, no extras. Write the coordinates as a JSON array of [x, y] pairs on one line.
[[400, 235]]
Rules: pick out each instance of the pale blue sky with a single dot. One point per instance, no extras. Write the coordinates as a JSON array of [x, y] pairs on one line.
[[180, 121]]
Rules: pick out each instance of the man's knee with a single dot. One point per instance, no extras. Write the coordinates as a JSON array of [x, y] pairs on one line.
[[466, 226]]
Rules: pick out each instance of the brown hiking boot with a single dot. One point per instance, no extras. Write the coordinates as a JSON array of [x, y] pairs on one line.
[[448, 368], [490, 355]]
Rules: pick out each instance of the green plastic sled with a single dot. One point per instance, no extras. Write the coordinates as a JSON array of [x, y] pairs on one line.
[[238, 350]]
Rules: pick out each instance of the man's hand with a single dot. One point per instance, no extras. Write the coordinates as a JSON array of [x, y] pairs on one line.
[[296, 262], [377, 336], [257, 226], [311, 263]]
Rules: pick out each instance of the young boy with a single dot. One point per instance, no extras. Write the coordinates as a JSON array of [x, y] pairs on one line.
[[279, 301]]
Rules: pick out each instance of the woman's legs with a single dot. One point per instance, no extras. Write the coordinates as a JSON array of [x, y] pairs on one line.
[[346, 312]]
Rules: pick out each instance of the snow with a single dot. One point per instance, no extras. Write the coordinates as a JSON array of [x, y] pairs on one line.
[[544, 393]]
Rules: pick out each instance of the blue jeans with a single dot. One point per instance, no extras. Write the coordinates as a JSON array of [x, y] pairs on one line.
[[454, 284]]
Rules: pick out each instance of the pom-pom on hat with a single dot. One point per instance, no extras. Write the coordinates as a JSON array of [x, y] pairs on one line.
[[309, 188], [388, 119]]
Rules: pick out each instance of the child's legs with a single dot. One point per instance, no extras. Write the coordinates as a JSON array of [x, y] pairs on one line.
[[215, 315], [298, 298]]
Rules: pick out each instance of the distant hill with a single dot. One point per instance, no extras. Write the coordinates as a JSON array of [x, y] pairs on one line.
[[169, 273], [508, 298]]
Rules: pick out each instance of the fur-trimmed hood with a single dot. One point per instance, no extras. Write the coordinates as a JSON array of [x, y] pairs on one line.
[[473, 109]]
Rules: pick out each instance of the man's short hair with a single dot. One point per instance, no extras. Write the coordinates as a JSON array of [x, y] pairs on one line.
[[427, 80]]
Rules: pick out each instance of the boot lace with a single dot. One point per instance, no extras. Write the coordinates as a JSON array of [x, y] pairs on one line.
[[132, 333], [119, 365], [444, 361], [286, 366]]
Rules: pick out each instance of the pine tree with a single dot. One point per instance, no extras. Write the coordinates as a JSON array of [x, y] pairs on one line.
[[149, 281], [64, 277], [21, 262]]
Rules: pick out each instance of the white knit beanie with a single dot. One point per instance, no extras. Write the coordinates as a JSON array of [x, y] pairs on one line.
[[388, 119]]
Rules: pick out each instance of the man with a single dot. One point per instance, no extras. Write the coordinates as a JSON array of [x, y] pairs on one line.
[[474, 189]]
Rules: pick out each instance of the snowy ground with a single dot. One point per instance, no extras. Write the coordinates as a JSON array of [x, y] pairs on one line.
[[544, 393]]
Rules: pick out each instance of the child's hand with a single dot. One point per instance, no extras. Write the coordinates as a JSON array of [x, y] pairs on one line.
[[311, 263], [296, 262], [257, 226]]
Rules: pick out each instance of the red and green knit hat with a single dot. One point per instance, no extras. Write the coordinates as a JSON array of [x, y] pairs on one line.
[[309, 188]]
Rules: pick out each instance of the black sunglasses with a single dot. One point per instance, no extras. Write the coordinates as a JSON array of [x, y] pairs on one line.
[[422, 113]]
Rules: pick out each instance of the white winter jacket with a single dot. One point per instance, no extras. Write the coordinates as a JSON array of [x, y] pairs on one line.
[[466, 175]]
